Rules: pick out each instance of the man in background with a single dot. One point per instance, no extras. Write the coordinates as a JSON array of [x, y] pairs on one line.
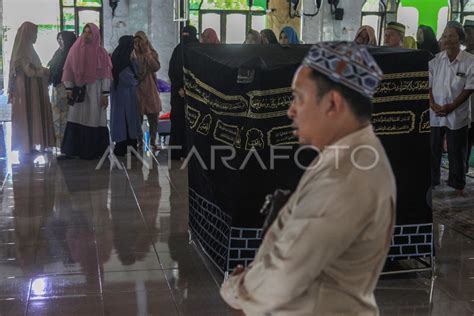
[[394, 34]]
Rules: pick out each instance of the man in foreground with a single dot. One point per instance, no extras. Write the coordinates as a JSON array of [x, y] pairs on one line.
[[324, 253]]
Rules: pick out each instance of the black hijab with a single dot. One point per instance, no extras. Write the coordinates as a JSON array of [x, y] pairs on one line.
[[121, 58], [56, 64], [270, 35], [430, 42], [192, 35], [175, 71]]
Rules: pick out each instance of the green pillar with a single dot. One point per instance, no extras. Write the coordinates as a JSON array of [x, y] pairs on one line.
[[428, 10]]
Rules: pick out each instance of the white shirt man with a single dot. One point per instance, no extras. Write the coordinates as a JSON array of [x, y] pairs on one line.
[[451, 84], [447, 81]]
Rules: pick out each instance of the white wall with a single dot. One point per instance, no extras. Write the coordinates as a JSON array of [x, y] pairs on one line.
[[38, 12], [1, 38], [154, 17], [324, 27], [164, 34], [117, 26]]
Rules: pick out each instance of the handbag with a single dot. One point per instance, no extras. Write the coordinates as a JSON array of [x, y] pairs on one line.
[[272, 206], [78, 95]]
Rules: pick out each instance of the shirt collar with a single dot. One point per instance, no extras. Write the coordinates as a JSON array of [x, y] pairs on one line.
[[459, 57], [364, 136], [355, 138], [344, 147]]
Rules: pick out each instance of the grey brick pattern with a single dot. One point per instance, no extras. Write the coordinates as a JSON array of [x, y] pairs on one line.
[[244, 243], [412, 241], [229, 246], [211, 227]]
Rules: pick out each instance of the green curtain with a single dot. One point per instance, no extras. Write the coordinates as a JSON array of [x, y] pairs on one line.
[[226, 4], [428, 10], [89, 3], [195, 4], [260, 3]]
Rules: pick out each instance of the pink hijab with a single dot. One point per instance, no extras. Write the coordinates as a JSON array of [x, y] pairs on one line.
[[212, 37], [87, 62]]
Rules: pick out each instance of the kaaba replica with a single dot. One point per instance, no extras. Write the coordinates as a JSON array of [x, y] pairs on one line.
[[237, 98]]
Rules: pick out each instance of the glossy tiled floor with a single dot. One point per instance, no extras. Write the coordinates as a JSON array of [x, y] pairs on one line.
[[79, 241]]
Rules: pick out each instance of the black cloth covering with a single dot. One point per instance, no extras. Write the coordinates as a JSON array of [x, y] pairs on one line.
[[222, 109]]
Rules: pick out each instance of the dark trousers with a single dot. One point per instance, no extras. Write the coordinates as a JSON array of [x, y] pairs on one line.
[[470, 142], [178, 134], [457, 152]]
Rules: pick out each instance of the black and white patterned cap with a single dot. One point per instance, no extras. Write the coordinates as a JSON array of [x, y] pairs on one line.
[[346, 63]]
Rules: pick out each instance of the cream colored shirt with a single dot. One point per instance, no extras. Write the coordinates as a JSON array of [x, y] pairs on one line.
[[324, 253]]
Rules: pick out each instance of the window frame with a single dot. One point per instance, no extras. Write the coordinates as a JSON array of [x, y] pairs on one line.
[[78, 9], [223, 19], [463, 14], [384, 10]]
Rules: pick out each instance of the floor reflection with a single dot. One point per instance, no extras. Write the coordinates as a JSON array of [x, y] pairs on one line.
[[79, 241]]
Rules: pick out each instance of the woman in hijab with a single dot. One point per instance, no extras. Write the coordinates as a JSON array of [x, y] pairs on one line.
[[124, 118], [59, 97], [426, 39], [87, 77], [209, 36], [176, 75], [288, 36], [268, 37], [32, 123], [253, 37], [365, 36], [149, 102]]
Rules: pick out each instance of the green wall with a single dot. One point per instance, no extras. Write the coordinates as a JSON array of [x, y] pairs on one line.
[[428, 10]]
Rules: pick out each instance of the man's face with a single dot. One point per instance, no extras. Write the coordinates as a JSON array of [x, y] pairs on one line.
[[441, 44], [87, 35], [392, 38], [308, 111], [450, 39], [469, 41]]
